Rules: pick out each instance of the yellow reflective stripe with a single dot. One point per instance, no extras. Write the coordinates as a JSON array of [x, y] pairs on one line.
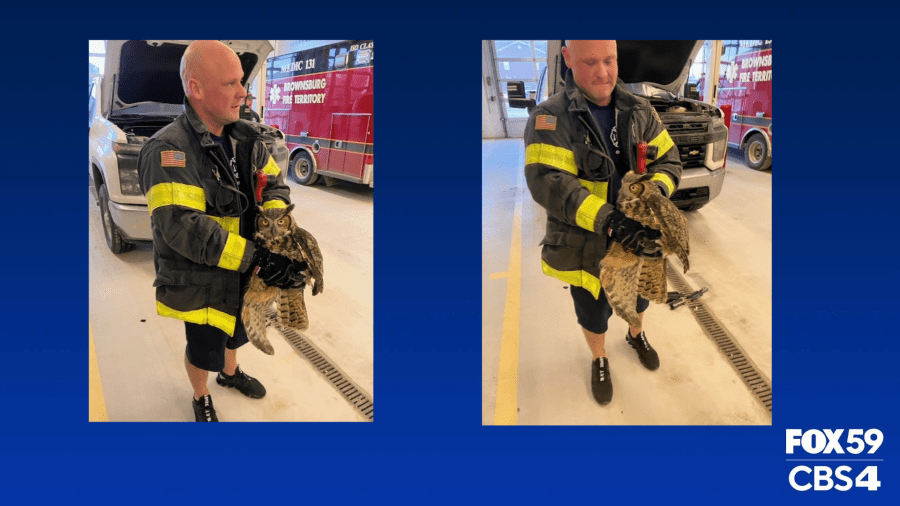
[[587, 212], [556, 157], [598, 188], [583, 279], [233, 252], [666, 180], [205, 316], [272, 168], [663, 142], [230, 224], [178, 194], [274, 204]]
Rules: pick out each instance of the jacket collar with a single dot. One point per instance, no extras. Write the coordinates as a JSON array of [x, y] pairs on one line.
[[200, 130], [237, 131]]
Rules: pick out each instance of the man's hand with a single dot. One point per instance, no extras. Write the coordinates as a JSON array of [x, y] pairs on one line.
[[634, 237], [277, 270]]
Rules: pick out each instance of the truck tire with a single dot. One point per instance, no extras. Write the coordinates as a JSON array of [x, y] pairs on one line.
[[757, 153], [114, 238], [301, 169], [692, 207]]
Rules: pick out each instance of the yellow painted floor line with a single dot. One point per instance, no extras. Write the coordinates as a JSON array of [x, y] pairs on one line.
[[507, 405], [499, 275], [95, 397]]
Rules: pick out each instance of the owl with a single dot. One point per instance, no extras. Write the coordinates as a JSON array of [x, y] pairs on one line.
[[624, 275], [277, 231]]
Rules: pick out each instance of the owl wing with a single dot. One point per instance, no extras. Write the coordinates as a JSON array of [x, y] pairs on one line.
[[312, 255], [652, 282], [619, 275], [673, 227]]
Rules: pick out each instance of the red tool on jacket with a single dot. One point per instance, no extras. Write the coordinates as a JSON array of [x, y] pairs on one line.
[[642, 157], [261, 180]]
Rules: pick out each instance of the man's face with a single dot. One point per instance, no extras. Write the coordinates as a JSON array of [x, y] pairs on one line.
[[222, 93], [594, 67]]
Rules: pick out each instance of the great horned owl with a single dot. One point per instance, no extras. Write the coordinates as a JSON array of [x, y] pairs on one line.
[[624, 275], [277, 231]]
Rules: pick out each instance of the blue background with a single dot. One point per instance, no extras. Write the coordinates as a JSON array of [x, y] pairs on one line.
[[834, 296]]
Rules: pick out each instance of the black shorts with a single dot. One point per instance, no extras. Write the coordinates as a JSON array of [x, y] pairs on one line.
[[593, 314], [206, 344]]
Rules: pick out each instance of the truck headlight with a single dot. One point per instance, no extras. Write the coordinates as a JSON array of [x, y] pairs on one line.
[[720, 133], [126, 155]]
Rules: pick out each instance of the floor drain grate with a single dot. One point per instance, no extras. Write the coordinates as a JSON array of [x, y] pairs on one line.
[[756, 381], [355, 395]]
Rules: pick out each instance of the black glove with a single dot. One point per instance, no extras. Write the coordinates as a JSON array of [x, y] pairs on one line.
[[634, 237], [277, 270]]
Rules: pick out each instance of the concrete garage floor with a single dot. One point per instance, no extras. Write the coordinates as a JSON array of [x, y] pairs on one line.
[[140, 354], [731, 254]]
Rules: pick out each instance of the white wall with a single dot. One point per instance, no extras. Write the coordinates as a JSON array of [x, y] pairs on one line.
[[491, 118]]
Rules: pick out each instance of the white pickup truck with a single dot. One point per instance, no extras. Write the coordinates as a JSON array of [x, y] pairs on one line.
[[139, 94]]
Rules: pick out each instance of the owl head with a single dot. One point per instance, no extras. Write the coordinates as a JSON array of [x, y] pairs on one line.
[[637, 185], [274, 224]]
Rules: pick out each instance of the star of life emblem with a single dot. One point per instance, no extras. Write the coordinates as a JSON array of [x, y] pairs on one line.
[[732, 72], [275, 94]]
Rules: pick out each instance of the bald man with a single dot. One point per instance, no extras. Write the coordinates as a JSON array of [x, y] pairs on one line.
[[198, 175], [579, 144]]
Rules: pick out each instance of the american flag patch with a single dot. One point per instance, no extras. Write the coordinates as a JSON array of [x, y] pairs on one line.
[[172, 158], [544, 122]]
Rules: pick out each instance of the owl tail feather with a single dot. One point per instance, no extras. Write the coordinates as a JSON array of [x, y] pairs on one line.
[[292, 309]]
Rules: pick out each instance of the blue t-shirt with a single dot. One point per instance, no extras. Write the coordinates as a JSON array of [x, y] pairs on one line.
[[225, 142], [606, 119]]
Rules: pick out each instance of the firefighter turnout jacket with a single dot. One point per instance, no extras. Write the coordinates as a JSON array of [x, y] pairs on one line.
[[568, 168], [201, 225]]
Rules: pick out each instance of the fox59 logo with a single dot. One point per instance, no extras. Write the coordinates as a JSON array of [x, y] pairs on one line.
[[839, 461]]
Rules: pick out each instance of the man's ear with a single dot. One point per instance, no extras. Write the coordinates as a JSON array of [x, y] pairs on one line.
[[195, 88]]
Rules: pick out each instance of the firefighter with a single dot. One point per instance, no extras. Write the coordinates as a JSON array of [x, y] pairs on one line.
[[197, 175], [247, 111], [579, 143]]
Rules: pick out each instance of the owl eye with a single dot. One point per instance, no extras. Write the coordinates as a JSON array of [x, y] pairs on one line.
[[263, 222], [281, 221], [636, 188]]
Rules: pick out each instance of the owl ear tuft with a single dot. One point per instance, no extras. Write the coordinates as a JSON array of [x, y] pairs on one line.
[[290, 208], [260, 209]]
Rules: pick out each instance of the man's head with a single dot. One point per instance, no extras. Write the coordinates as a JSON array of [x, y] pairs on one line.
[[594, 65], [249, 100], [211, 74]]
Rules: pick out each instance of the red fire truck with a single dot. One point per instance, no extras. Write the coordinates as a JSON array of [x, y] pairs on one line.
[[745, 83], [321, 99]]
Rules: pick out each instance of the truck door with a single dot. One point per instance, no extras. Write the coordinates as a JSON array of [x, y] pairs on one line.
[[348, 137]]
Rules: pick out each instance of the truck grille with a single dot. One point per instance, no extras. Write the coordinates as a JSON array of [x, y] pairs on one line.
[[692, 155], [684, 128]]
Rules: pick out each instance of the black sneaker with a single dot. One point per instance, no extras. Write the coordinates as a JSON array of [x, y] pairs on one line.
[[601, 383], [247, 385], [645, 352], [204, 410]]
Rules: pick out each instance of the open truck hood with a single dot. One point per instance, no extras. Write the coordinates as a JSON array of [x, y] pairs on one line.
[[143, 76], [663, 64]]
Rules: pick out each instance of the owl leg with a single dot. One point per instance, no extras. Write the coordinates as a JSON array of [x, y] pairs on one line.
[[292, 309], [619, 273], [257, 298]]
